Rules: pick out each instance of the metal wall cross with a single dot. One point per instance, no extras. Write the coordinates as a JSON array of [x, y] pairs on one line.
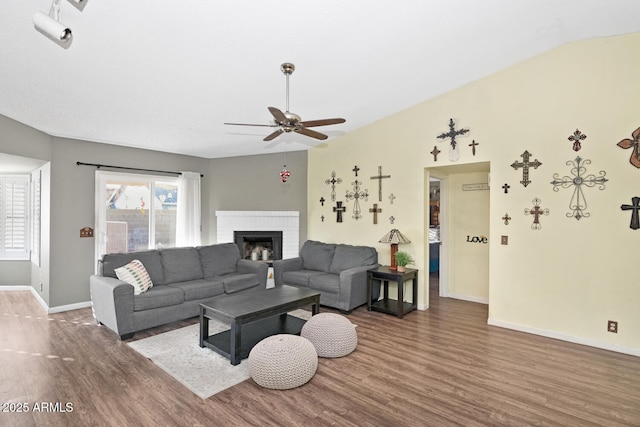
[[525, 164], [634, 207], [536, 211], [380, 177], [506, 218], [375, 210], [506, 188], [356, 195], [333, 181], [578, 203], [454, 154], [338, 209]]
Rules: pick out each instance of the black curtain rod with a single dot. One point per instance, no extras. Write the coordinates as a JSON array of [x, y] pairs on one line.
[[97, 165]]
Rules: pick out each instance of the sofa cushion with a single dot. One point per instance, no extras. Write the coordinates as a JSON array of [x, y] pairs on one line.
[[198, 289], [150, 259], [181, 264], [238, 282], [219, 259], [136, 275], [317, 255], [325, 283], [347, 256], [158, 296], [299, 277]]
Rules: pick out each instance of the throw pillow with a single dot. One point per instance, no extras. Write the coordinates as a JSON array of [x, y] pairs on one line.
[[136, 275]]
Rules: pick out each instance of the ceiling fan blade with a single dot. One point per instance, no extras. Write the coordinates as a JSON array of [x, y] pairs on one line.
[[250, 124], [273, 135], [323, 122], [311, 133], [278, 115]]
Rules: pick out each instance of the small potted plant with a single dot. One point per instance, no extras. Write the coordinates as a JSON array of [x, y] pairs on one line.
[[403, 259]]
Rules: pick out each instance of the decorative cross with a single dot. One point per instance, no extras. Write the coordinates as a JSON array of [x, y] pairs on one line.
[[506, 218], [391, 197], [391, 219], [338, 209], [380, 177], [578, 204], [506, 188], [322, 201], [576, 138], [356, 169], [525, 164], [435, 153], [536, 211], [322, 218], [634, 207], [635, 144], [375, 210], [473, 146], [333, 181], [356, 195], [454, 154]]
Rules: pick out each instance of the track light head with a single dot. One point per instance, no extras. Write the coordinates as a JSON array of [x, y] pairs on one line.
[[52, 28]]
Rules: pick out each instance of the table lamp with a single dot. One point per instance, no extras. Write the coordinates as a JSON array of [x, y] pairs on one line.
[[394, 237]]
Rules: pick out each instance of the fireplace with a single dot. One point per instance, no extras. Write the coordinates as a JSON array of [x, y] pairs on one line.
[[253, 244]]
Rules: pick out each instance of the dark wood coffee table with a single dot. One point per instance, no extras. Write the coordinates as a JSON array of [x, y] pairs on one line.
[[254, 316]]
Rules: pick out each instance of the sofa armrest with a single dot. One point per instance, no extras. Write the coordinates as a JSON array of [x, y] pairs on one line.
[[282, 265], [257, 267], [353, 286], [112, 303]]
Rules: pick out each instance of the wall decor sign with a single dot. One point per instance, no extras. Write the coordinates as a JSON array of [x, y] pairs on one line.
[[454, 152], [525, 164], [435, 153], [536, 211], [380, 177], [338, 209], [475, 187], [632, 143], [375, 210], [578, 180], [634, 207], [477, 239], [333, 181], [356, 195], [577, 138]]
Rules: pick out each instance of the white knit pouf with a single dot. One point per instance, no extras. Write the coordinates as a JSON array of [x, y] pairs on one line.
[[283, 361], [332, 335]]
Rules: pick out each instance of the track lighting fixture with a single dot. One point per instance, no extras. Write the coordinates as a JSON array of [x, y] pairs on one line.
[[50, 25]]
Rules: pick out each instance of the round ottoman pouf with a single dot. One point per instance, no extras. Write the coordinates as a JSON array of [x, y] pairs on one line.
[[332, 335], [283, 361]]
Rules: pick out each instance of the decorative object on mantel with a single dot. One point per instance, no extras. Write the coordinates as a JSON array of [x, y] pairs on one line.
[[356, 195], [333, 181], [322, 201], [536, 211], [634, 207], [338, 209], [392, 219], [473, 147], [380, 177], [355, 169], [506, 188], [454, 152], [525, 164], [391, 198], [506, 218], [635, 144], [435, 153], [578, 204], [403, 259], [394, 237], [577, 137], [284, 174], [375, 210]]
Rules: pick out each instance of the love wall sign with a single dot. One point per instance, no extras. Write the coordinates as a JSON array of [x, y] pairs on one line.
[[477, 239]]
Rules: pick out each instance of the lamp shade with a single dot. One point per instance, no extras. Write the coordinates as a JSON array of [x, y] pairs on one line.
[[394, 237]]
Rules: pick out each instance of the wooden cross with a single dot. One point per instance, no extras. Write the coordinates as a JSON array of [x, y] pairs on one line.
[[473, 146], [634, 207], [333, 181], [338, 209], [356, 169], [380, 177], [453, 150], [375, 210], [391, 197], [435, 153], [506, 188], [322, 201], [536, 211], [506, 218], [525, 164]]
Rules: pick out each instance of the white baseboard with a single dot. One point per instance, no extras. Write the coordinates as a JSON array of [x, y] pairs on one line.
[[15, 288], [49, 310], [564, 337], [469, 298]]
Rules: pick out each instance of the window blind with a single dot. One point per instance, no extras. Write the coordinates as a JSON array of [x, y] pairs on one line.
[[14, 226]]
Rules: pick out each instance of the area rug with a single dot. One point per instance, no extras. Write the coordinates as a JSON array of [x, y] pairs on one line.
[[201, 370]]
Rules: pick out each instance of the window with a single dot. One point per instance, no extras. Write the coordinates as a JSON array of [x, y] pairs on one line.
[[135, 212], [14, 221]]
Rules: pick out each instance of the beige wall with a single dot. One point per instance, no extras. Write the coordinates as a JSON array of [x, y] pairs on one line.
[[565, 280]]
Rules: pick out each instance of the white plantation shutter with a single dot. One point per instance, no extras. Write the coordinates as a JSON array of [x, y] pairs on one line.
[[14, 226]]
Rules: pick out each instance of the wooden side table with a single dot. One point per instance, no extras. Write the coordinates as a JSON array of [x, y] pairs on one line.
[[385, 305]]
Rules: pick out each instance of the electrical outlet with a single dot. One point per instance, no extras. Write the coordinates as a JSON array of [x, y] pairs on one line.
[[612, 326]]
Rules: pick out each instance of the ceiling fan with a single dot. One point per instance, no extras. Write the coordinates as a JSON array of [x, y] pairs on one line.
[[291, 122]]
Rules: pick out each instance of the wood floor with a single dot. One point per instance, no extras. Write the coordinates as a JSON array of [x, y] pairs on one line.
[[440, 367]]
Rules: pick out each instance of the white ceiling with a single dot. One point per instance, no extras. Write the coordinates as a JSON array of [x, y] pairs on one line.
[[166, 75]]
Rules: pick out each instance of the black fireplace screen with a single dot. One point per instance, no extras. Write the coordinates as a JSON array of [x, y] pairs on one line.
[[258, 245]]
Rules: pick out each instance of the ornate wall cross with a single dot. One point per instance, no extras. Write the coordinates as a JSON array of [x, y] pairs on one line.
[[322, 201], [392, 219], [435, 153], [333, 181], [355, 169], [506, 218], [380, 177], [536, 211], [506, 188], [454, 153], [578, 203], [525, 164], [635, 144], [634, 207], [577, 138], [356, 195], [338, 209], [375, 210]]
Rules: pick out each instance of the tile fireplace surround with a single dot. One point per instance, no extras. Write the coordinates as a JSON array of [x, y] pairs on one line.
[[285, 221]]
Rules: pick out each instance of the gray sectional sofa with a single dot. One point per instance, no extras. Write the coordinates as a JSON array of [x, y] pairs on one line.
[[182, 279], [337, 271]]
